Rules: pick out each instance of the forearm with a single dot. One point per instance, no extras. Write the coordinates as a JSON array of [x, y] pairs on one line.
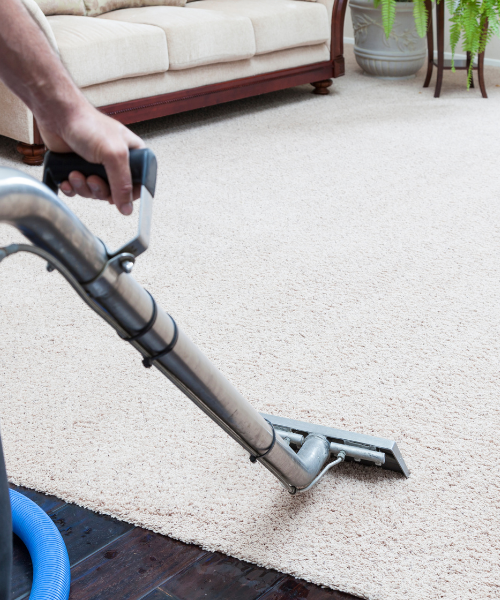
[[33, 71], [67, 122]]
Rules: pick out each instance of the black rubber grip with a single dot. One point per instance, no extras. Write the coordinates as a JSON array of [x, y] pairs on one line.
[[57, 167]]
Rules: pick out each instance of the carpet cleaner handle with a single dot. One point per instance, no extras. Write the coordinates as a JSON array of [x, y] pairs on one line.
[[57, 167], [143, 167]]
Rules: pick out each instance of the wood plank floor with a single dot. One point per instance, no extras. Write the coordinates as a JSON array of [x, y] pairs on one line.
[[112, 560]]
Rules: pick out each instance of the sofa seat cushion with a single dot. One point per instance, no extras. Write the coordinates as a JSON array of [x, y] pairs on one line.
[[194, 37], [278, 24], [96, 51]]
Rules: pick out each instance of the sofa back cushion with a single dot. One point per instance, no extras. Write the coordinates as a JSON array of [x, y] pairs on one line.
[[62, 7], [98, 7], [97, 51]]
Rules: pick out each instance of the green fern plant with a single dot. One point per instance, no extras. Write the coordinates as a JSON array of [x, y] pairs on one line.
[[389, 14], [473, 21]]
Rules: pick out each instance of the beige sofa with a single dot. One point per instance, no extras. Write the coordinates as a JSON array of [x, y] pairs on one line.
[[145, 62]]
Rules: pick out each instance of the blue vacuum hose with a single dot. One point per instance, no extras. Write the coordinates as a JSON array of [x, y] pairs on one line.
[[51, 570]]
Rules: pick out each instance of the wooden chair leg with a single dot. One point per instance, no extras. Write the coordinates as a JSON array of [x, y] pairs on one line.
[[480, 67], [430, 43], [32, 153], [440, 46], [472, 74], [321, 87], [480, 74]]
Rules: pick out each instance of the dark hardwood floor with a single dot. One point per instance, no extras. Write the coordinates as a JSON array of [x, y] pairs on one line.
[[112, 560]]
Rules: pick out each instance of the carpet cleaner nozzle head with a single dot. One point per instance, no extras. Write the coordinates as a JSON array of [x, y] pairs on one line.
[[365, 449]]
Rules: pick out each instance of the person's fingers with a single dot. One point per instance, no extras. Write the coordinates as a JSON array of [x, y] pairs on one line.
[[67, 189], [117, 168], [99, 188], [79, 184], [116, 163]]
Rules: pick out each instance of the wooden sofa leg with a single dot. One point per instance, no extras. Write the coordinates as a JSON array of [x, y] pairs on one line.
[[321, 87], [32, 153]]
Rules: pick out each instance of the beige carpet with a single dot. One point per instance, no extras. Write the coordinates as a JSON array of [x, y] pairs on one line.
[[339, 259]]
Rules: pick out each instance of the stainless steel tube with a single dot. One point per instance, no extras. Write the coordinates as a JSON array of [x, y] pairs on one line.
[[295, 438], [33, 209], [48, 223], [358, 453]]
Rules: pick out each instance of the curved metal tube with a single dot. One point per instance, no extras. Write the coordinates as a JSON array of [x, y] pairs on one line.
[[33, 209]]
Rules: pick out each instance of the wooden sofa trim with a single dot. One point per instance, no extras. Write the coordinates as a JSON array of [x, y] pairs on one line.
[[143, 109]]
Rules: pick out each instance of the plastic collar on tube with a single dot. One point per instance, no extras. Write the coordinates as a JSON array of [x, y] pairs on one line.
[[51, 570]]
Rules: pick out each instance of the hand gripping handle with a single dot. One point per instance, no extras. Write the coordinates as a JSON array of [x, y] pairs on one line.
[[57, 168], [143, 167]]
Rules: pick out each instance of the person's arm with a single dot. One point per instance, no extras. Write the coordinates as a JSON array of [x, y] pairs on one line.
[[67, 121]]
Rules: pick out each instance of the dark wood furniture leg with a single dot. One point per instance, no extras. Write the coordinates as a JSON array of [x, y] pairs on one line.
[[480, 74], [430, 43], [480, 68], [442, 64], [440, 46], [468, 66], [337, 37], [321, 87], [33, 153]]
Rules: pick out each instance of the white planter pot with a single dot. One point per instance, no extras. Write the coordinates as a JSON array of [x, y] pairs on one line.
[[398, 57]]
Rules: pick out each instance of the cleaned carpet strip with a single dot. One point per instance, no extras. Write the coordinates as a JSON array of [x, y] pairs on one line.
[[338, 259]]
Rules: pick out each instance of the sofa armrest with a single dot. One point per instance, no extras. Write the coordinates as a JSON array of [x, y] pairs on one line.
[[337, 48], [336, 10], [41, 20]]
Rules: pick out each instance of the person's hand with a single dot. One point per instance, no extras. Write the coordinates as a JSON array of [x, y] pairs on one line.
[[98, 139]]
